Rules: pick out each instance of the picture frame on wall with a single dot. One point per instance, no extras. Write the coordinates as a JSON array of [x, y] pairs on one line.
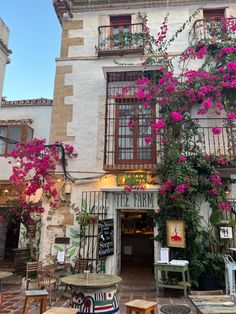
[[175, 232]]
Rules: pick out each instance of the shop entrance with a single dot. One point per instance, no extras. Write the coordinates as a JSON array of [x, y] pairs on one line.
[[137, 245]]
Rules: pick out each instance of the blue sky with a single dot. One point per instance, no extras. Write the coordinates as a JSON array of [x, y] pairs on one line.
[[35, 38]]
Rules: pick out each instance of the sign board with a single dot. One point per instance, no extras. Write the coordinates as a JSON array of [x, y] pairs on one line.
[[140, 200], [105, 237], [62, 240], [226, 233]]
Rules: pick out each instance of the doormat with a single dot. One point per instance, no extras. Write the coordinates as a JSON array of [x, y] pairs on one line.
[[175, 309]]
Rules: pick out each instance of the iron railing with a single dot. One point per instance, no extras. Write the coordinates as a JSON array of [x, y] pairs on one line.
[[214, 30], [120, 39], [125, 148]]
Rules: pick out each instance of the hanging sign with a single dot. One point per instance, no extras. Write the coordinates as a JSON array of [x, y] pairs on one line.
[[105, 237]]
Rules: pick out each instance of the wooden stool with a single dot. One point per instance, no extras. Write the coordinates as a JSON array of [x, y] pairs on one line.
[[141, 307], [35, 295], [61, 310]]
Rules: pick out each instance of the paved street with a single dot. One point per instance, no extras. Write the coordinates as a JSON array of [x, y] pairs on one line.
[[13, 295]]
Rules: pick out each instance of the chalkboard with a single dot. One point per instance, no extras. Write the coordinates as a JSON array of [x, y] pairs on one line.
[[62, 240], [106, 237]]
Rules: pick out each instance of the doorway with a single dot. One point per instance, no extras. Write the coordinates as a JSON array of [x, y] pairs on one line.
[[137, 244]]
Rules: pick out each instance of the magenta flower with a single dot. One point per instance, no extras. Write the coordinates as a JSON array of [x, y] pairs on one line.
[[176, 116], [231, 66], [216, 131], [147, 139], [159, 125], [225, 206], [181, 159], [213, 192], [216, 180], [231, 116]]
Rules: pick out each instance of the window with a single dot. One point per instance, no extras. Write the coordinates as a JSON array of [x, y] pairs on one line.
[[18, 133], [120, 24], [132, 126], [128, 124], [214, 14]]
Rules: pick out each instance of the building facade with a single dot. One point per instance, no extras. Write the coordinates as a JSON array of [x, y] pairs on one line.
[[20, 121], [95, 64]]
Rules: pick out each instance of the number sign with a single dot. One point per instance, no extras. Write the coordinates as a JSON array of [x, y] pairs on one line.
[[106, 237], [226, 233]]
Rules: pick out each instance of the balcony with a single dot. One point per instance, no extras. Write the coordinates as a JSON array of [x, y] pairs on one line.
[[125, 150], [119, 40], [213, 31]]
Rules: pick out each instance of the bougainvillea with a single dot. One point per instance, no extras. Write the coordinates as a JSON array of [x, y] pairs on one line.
[[188, 169], [33, 164]]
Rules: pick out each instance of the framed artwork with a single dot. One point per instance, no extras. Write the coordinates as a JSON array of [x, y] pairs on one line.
[[175, 232]]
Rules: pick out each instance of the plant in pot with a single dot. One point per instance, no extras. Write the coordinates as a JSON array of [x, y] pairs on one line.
[[212, 260]]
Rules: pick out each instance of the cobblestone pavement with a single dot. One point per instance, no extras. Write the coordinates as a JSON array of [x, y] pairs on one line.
[[13, 296]]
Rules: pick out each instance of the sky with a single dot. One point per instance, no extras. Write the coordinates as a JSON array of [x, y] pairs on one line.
[[35, 39]]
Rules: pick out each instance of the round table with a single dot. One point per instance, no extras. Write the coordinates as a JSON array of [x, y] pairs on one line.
[[97, 294]]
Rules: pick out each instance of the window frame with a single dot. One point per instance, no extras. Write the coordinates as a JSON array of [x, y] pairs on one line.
[[23, 138], [135, 136]]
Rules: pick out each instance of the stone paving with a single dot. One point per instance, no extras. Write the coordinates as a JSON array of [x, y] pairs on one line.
[[13, 296]]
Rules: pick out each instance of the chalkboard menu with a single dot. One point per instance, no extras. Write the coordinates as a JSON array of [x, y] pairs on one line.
[[106, 237]]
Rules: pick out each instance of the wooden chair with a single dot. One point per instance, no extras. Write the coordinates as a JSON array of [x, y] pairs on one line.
[[47, 281], [80, 266], [141, 307], [207, 292], [35, 295], [32, 270]]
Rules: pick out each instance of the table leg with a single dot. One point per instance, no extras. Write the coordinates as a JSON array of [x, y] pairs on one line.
[[185, 286]]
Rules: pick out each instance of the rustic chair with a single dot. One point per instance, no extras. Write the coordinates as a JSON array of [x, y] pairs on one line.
[[207, 292], [32, 272], [47, 281]]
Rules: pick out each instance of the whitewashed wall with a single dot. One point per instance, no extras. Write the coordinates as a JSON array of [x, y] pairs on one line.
[[41, 116]]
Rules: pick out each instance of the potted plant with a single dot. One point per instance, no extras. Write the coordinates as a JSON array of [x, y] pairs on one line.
[[212, 260]]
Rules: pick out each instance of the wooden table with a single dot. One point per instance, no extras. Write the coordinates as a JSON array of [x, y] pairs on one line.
[[212, 304], [94, 295], [165, 268]]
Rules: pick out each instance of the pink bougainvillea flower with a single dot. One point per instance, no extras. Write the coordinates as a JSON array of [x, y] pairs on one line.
[[225, 206], [181, 159], [176, 116], [231, 116], [216, 180], [216, 131], [1, 218], [147, 139], [231, 66], [159, 125], [213, 192]]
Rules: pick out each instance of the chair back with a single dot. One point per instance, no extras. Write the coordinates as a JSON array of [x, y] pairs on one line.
[[80, 266], [228, 259], [32, 267], [44, 278]]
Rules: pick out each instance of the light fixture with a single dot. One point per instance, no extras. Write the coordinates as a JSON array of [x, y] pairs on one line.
[[65, 191]]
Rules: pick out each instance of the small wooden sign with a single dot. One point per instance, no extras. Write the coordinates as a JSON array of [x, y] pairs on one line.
[[62, 240]]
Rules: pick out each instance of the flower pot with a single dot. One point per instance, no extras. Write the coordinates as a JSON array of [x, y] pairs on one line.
[[208, 283]]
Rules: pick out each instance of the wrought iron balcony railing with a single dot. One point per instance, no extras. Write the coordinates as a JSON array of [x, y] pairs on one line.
[[120, 39], [126, 149], [215, 30]]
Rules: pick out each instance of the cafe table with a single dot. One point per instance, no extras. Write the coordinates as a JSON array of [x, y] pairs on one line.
[[213, 304], [95, 294]]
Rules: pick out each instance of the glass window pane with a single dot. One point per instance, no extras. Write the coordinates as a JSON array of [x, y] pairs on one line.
[[3, 132], [15, 134], [29, 134]]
